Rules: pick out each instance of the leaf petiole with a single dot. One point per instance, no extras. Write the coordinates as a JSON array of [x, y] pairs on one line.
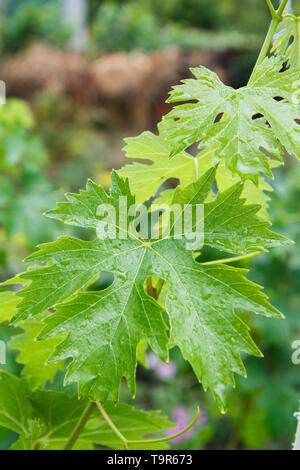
[[80, 425], [271, 8], [111, 425], [276, 19], [174, 436], [126, 441]]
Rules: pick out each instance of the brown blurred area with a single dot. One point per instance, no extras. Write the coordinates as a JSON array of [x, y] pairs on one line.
[[131, 87]]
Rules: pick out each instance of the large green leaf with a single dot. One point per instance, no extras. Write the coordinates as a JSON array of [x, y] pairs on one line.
[[245, 126], [105, 327]]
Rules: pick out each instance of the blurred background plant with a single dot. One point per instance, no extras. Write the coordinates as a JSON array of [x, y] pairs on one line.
[[25, 189], [27, 21], [64, 121]]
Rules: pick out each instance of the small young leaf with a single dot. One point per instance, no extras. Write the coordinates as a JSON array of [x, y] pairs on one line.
[[239, 125]]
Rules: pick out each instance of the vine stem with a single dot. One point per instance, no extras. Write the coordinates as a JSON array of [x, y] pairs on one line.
[[80, 425], [174, 436], [126, 441], [271, 8], [232, 260], [111, 425], [276, 19]]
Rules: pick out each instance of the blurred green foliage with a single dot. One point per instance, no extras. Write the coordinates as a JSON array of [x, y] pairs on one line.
[[133, 25], [206, 14], [137, 24], [25, 190], [125, 27], [31, 22], [199, 13]]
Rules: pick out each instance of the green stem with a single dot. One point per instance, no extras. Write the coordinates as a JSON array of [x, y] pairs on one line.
[[111, 425], [281, 8], [294, 17], [232, 260], [170, 438], [79, 428], [143, 441], [271, 8], [276, 19]]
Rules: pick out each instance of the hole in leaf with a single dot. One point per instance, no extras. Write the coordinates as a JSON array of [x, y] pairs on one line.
[[170, 183], [218, 117], [193, 149], [103, 281], [257, 116]]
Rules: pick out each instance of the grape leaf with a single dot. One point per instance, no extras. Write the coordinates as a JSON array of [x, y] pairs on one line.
[[35, 354], [239, 125], [134, 424], [230, 225], [54, 416], [45, 420], [146, 179], [252, 193], [287, 40], [105, 327]]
